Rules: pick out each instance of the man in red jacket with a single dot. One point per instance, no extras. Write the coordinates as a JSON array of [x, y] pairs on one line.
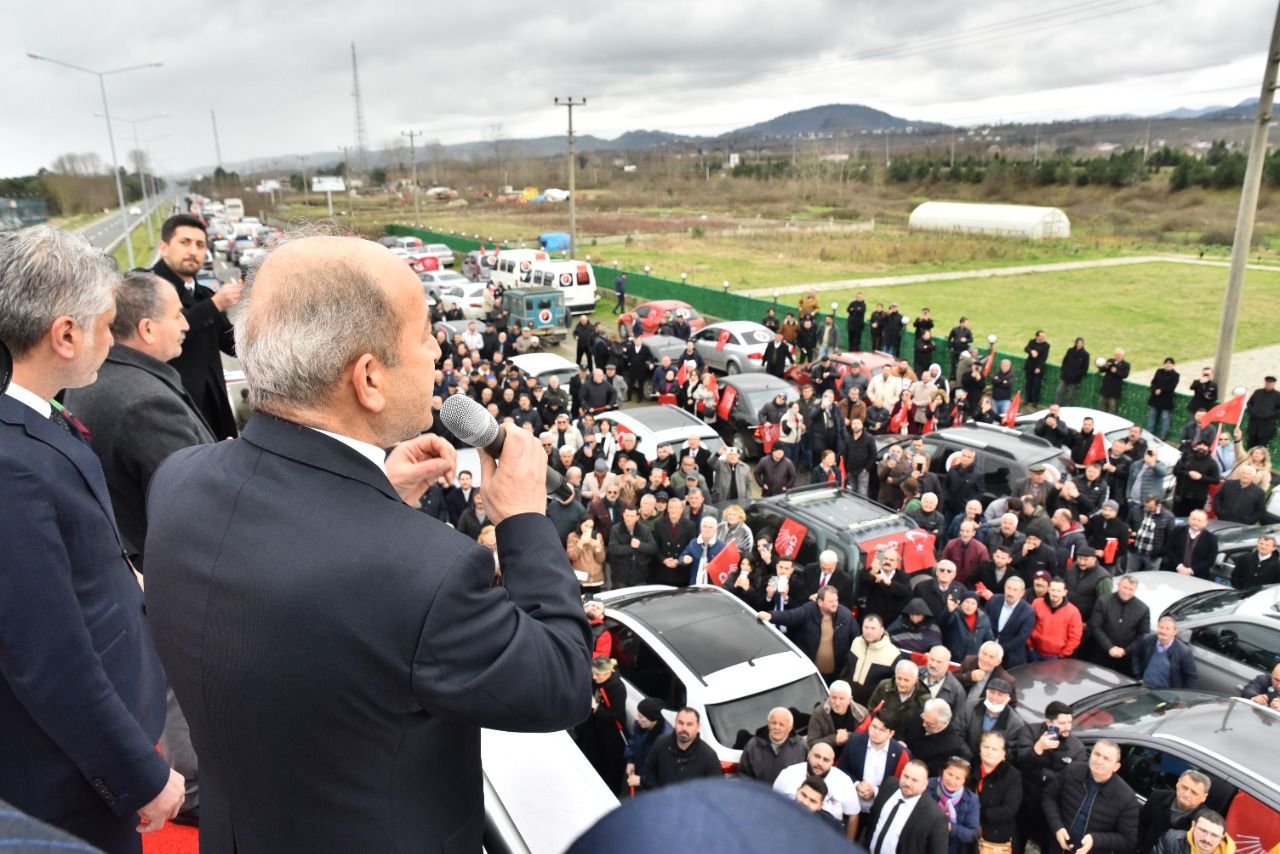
[[1059, 626]]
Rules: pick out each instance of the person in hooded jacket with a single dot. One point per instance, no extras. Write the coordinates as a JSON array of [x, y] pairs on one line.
[[915, 630]]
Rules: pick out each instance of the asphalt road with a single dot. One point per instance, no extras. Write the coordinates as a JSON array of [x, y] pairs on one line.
[[103, 232]]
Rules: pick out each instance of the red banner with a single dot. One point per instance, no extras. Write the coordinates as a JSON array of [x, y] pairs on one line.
[[722, 339], [914, 548], [682, 375], [1011, 417], [789, 539], [720, 569], [768, 435], [725, 406], [667, 399], [1230, 412]]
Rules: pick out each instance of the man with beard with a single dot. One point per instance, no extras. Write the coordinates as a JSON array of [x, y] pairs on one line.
[[1195, 472], [680, 755], [183, 247]]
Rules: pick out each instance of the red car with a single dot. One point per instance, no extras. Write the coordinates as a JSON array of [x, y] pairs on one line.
[[651, 314], [842, 362]]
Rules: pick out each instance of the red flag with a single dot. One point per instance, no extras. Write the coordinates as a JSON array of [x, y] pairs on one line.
[[898, 421], [725, 406], [722, 339], [789, 539], [621, 429], [768, 434], [1097, 449], [667, 399], [1011, 417], [682, 375], [1231, 412], [991, 360], [722, 567], [929, 426], [917, 550], [1109, 551], [844, 475], [866, 722]]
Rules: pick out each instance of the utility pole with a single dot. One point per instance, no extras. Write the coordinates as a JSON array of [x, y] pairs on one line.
[[413, 158], [346, 176], [570, 103], [302, 158], [217, 146], [953, 148], [886, 148], [1035, 152], [1244, 219]]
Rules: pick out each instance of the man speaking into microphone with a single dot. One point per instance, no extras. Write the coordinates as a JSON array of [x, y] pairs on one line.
[[335, 650]]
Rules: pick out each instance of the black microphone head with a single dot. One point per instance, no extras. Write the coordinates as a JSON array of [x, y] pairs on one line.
[[470, 422]]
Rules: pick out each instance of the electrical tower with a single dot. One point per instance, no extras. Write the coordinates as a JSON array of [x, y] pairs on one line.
[[362, 138]]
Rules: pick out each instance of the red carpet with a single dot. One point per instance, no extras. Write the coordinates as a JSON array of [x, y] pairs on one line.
[[172, 839]]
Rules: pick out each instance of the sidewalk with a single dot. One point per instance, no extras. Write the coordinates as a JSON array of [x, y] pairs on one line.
[[1248, 367]]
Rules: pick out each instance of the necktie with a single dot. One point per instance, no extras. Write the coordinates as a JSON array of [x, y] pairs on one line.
[[733, 483], [560, 438], [878, 847], [826, 577], [57, 416]]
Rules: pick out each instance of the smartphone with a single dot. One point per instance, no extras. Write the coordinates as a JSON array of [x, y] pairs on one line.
[[1053, 731], [781, 583]]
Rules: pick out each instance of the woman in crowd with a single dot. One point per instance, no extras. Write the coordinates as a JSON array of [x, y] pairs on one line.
[[586, 551], [649, 726], [999, 788], [986, 413], [958, 802], [601, 736], [733, 527], [900, 421]]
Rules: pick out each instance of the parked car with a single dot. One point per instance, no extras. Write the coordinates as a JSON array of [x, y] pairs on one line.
[[478, 265], [135, 211], [704, 648], [544, 366], [657, 424], [450, 327], [651, 314], [1234, 634], [749, 392], [434, 281], [871, 363], [441, 251], [469, 298], [733, 346], [1112, 427], [1236, 539], [850, 524], [1088, 687], [1161, 590], [392, 241], [1002, 456], [1231, 740]]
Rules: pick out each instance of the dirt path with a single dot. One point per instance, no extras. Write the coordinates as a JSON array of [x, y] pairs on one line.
[[995, 272], [1248, 367]]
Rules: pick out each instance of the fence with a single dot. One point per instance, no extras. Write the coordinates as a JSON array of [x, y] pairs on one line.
[[717, 302]]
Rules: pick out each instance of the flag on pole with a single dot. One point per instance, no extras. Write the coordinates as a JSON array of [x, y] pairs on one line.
[[1230, 412], [1109, 551], [930, 425], [1011, 416], [768, 434], [1097, 452], [991, 360], [722, 567], [682, 375], [789, 539], [725, 406]]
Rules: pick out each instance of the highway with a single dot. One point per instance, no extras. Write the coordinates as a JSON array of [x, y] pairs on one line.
[[102, 233]]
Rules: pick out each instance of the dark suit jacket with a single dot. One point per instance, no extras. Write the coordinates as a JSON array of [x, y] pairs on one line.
[[337, 656], [855, 754], [1013, 637], [840, 580], [926, 829], [1203, 554], [81, 688], [200, 364], [804, 626], [138, 413]]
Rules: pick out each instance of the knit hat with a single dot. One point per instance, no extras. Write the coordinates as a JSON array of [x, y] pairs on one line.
[[971, 594], [651, 709], [1086, 551], [1111, 505]]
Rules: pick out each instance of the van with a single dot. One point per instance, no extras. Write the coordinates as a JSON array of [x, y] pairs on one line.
[[511, 266], [235, 209], [576, 279]]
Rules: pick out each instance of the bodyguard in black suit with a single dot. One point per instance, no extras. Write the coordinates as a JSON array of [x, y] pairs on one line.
[[183, 246], [81, 689], [925, 828], [337, 656]]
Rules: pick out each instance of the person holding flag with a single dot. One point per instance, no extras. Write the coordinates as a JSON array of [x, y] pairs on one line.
[[1002, 387], [1011, 414], [702, 550]]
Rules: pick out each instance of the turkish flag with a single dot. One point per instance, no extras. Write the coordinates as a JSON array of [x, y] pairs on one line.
[[721, 567], [789, 539], [1109, 551], [898, 421], [682, 375], [914, 547], [991, 360], [620, 429], [1011, 417], [1097, 449], [725, 406], [1231, 412], [768, 434], [722, 339]]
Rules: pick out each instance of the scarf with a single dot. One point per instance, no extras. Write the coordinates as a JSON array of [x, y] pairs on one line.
[[948, 800], [882, 652], [971, 620]]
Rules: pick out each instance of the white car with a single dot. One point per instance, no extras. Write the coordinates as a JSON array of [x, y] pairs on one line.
[[1159, 590], [1112, 427], [740, 351], [544, 366], [135, 211], [440, 251], [435, 281], [655, 425], [469, 298]]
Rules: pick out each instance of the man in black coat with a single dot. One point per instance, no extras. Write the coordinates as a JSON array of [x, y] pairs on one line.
[[1167, 810], [811, 622], [1037, 351], [1075, 364], [923, 831], [1259, 567], [333, 654], [183, 248], [1195, 472], [959, 339], [856, 322], [1164, 384], [1114, 372], [1119, 619], [632, 551], [1240, 499], [777, 355], [681, 754], [1264, 689], [1089, 801], [81, 689], [1192, 549], [1263, 409]]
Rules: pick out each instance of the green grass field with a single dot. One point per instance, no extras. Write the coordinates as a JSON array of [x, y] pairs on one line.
[[1152, 310], [143, 249]]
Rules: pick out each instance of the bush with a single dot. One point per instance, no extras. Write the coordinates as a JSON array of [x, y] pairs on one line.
[[1220, 237]]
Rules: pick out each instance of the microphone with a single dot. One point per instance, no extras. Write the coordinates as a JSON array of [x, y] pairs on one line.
[[474, 427]]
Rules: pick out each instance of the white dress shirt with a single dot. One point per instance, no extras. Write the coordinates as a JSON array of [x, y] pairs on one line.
[[887, 837], [29, 398], [372, 453], [841, 799]]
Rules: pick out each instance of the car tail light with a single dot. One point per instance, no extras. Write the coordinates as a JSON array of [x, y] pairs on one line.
[[755, 357], [730, 769]]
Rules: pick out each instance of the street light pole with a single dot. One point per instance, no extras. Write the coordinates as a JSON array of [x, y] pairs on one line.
[[151, 232], [413, 157], [106, 112]]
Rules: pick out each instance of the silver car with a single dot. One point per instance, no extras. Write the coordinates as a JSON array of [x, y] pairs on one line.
[[1234, 635], [734, 346]]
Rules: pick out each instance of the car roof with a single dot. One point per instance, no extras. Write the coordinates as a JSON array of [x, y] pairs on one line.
[[739, 326], [756, 382], [708, 629], [1160, 590], [1068, 680], [536, 363], [838, 508], [1001, 440], [1234, 729], [654, 417], [1074, 416]]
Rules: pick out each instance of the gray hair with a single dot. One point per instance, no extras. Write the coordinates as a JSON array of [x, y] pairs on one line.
[[137, 298], [906, 665], [784, 713], [828, 556], [1199, 778], [46, 273], [939, 707], [295, 348], [992, 647]]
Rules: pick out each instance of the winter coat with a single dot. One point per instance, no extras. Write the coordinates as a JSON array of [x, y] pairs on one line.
[[999, 797], [1116, 623], [1182, 664], [587, 556], [761, 762], [1113, 819], [1075, 364], [964, 829], [667, 764], [804, 628], [1058, 630], [960, 639]]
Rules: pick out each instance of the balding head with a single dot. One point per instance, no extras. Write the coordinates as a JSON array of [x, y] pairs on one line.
[[333, 332]]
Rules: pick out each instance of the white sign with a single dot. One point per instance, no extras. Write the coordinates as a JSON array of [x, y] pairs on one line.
[[269, 185], [328, 184]]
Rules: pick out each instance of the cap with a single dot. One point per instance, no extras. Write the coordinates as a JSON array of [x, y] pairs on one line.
[[1268, 379], [1086, 551], [998, 684], [1037, 469], [1043, 573], [1111, 504], [650, 708], [661, 495]]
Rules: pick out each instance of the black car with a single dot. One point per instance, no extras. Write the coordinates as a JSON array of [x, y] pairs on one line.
[[750, 393], [1002, 456], [845, 522]]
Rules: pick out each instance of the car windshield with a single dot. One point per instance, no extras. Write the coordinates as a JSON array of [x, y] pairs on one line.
[[1132, 706], [1217, 603], [733, 723]]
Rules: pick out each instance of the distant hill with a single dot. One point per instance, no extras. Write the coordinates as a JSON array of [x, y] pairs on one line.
[[830, 118], [1246, 109]]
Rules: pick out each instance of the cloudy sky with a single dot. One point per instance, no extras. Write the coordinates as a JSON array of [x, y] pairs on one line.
[[279, 73]]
